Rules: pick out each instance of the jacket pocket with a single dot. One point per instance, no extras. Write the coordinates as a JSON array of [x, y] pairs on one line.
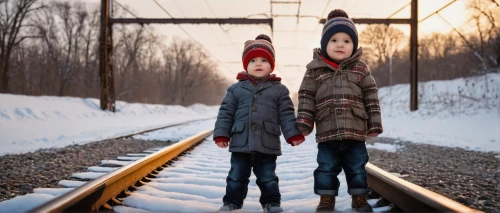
[[360, 118], [238, 126], [355, 78], [361, 113], [323, 120], [271, 128], [271, 136], [238, 137], [354, 84], [322, 114]]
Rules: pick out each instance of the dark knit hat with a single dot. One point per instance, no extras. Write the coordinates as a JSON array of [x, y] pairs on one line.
[[260, 47], [338, 21]]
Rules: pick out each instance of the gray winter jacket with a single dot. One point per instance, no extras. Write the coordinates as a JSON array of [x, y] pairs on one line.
[[252, 115]]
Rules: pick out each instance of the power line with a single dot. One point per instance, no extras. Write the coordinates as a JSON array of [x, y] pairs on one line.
[[225, 32], [437, 11], [164, 10], [325, 7], [406, 5], [188, 34], [277, 67], [126, 9], [323, 14], [178, 8], [460, 34]]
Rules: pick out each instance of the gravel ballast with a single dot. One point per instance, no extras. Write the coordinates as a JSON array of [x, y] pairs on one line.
[[469, 177], [21, 173]]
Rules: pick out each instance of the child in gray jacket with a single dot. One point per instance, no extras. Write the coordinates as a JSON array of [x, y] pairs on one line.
[[249, 122]]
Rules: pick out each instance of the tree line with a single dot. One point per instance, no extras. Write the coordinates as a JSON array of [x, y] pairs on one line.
[[461, 53], [51, 48]]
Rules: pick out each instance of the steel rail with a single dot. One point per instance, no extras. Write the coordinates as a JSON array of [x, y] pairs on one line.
[[96, 193], [408, 196], [154, 129]]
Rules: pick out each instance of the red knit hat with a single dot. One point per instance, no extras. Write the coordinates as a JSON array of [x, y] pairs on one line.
[[260, 47]]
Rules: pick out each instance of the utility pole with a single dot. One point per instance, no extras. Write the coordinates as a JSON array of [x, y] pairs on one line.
[[105, 54], [414, 56], [390, 71], [106, 43], [413, 22]]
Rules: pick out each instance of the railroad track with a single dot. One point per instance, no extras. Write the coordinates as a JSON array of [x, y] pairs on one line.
[[112, 188]]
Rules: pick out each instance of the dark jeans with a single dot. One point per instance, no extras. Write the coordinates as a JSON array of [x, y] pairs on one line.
[[237, 180], [333, 156]]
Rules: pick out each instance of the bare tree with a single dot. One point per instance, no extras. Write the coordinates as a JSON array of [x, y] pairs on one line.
[[63, 60], [382, 40], [485, 17], [47, 28], [187, 68], [90, 50], [11, 24], [130, 44], [73, 20], [438, 46]]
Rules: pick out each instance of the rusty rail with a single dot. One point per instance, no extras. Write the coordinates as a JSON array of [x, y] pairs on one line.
[[154, 129], [96, 193], [408, 196]]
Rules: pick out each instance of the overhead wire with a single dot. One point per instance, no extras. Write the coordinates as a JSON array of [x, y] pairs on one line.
[[322, 14], [277, 64], [192, 38], [126, 9], [223, 30], [272, 15]]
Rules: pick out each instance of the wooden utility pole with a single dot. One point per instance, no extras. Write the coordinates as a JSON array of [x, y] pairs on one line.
[[414, 56], [106, 43], [105, 54], [413, 22]]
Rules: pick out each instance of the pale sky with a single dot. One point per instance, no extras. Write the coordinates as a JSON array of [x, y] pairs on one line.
[[293, 42]]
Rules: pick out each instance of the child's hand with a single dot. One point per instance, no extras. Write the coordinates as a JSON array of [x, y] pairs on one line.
[[373, 134], [297, 142], [222, 144]]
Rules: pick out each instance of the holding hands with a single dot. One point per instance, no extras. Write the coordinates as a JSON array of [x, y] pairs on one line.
[[297, 142]]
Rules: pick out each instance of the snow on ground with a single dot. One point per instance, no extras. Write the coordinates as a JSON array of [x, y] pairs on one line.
[[463, 113], [196, 183], [459, 113], [29, 123]]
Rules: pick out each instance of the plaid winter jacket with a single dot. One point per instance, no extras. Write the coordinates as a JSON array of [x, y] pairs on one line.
[[341, 99]]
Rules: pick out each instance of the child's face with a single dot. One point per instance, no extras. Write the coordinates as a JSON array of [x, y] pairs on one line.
[[259, 67], [339, 46]]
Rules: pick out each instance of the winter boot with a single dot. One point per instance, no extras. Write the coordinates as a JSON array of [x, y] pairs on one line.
[[228, 207], [272, 208], [360, 204], [326, 203]]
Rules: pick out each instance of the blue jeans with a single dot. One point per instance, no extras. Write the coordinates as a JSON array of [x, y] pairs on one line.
[[237, 180], [333, 156]]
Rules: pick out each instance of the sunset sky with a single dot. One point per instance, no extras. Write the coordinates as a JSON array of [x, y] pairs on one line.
[[293, 42]]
